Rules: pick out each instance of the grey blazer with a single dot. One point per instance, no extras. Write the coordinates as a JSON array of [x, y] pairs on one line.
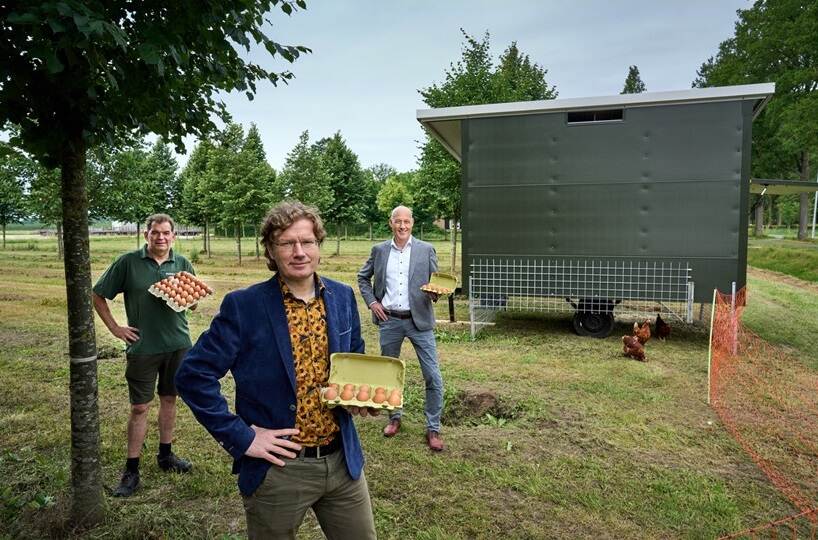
[[422, 262]]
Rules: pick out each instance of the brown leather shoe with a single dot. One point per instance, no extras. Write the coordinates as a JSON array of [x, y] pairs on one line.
[[434, 441], [392, 428]]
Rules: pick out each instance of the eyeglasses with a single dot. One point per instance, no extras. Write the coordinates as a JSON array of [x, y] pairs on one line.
[[289, 245]]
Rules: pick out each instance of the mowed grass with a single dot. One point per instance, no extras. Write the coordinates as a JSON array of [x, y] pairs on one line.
[[571, 440]]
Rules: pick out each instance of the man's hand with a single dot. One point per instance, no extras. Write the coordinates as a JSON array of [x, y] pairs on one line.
[[433, 295], [128, 334], [377, 309], [363, 411], [269, 442]]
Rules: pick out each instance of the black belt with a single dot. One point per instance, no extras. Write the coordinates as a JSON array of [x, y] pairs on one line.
[[399, 314], [321, 451]]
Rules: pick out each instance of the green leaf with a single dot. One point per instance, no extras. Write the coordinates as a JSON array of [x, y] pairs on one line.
[[287, 8], [249, 95], [56, 26], [149, 54], [53, 64], [25, 18], [301, 3]]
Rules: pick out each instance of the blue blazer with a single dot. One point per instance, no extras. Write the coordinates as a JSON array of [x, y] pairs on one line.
[[250, 338]]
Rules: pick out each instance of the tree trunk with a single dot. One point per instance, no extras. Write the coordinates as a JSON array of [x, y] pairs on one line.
[[138, 243], [204, 237], [421, 231], [255, 233], [337, 239], [803, 198], [760, 218], [4, 236], [60, 243], [346, 232], [207, 238], [88, 503], [370, 232], [454, 243], [237, 229]]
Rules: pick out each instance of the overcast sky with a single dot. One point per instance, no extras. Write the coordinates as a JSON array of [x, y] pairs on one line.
[[370, 57]]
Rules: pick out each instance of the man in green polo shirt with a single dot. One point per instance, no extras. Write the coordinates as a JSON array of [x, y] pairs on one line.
[[157, 340]]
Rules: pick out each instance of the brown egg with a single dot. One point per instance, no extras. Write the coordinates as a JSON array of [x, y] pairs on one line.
[[330, 393], [395, 398], [364, 388], [334, 385], [380, 390], [379, 397], [349, 386], [362, 395], [347, 394]]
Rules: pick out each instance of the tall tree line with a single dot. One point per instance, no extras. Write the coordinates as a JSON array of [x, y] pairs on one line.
[[775, 41], [472, 80]]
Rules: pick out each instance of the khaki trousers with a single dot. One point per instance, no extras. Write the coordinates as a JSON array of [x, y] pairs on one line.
[[341, 504]]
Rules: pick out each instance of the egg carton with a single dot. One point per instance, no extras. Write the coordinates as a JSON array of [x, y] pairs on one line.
[[440, 283], [176, 284], [355, 370]]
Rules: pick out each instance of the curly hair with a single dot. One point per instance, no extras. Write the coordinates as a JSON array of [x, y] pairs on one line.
[[281, 217], [159, 218]]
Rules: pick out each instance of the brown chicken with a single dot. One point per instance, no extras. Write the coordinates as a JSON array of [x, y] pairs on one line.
[[662, 328], [642, 333], [631, 347]]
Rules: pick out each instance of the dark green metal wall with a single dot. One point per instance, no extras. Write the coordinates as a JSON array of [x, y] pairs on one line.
[[668, 183]]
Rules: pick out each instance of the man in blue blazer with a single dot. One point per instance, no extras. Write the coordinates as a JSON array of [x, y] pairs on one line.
[[290, 451], [390, 282]]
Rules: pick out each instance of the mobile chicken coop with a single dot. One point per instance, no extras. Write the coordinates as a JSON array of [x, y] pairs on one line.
[[633, 204]]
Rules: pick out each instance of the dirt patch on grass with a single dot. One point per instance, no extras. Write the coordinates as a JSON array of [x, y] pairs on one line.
[[474, 406], [778, 277]]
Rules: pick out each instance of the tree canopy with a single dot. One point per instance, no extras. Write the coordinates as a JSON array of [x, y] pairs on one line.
[[76, 74], [304, 176], [775, 41], [472, 80], [633, 82]]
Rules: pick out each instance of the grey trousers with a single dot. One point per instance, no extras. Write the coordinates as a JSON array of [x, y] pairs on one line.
[[341, 504]]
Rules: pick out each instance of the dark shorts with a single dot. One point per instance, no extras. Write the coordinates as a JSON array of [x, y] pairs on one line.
[[143, 371]]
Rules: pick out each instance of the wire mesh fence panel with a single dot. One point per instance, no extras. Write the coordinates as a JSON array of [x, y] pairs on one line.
[[625, 288]]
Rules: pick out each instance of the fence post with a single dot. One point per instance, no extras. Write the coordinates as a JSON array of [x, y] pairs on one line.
[[733, 320], [710, 347]]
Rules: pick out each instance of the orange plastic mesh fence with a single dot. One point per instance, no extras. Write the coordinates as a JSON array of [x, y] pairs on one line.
[[798, 526], [767, 400]]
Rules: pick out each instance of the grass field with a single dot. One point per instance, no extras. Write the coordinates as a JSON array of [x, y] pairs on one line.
[[548, 435]]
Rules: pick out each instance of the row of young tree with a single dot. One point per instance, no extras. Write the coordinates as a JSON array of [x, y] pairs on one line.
[[227, 182], [125, 184]]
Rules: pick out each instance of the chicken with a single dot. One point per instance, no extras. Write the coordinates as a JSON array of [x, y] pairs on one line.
[[631, 347], [662, 328], [642, 333]]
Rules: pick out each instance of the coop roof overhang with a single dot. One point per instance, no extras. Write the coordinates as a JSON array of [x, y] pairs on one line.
[[781, 187], [444, 124]]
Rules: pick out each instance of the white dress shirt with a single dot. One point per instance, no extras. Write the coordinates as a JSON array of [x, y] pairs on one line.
[[396, 297]]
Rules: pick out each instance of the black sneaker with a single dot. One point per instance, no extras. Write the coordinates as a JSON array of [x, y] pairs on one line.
[[128, 484], [173, 463]]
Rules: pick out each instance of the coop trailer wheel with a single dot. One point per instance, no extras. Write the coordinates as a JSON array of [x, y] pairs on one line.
[[598, 325]]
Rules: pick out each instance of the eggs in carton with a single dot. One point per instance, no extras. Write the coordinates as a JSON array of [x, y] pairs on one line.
[[181, 290]]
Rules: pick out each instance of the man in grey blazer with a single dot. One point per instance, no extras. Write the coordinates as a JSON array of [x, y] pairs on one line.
[[400, 266]]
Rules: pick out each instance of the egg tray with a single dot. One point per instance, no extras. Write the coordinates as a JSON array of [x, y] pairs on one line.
[[440, 283], [176, 282], [358, 369]]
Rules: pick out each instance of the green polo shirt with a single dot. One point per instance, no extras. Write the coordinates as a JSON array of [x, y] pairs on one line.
[[160, 328]]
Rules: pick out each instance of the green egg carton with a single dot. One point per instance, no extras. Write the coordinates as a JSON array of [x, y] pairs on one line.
[[441, 283], [357, 369]]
